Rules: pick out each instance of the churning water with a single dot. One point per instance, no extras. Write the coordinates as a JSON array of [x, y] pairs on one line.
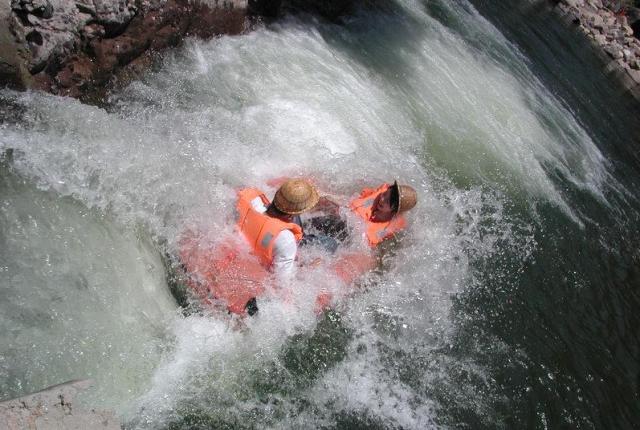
[[507, 303]]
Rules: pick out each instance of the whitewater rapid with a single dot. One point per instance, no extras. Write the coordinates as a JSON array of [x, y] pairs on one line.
[[439, 99]]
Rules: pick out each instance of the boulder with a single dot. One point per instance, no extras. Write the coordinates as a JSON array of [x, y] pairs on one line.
[[75, 47], [112, 15], [13, 70], [47, 28]]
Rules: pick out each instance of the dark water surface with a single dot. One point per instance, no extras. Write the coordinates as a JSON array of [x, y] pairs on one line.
[[574, 311]]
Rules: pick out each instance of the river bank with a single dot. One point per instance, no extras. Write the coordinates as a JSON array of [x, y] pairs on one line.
[[80, 49], [610, 32]]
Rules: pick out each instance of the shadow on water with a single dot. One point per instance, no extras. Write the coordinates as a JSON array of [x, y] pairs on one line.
[[569, 317]]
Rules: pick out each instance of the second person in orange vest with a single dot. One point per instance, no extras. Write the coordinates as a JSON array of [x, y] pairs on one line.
[[381, 209], [270, 227]]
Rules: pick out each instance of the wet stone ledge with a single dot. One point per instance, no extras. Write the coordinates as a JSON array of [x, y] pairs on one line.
[[54, 408], [611, 32]]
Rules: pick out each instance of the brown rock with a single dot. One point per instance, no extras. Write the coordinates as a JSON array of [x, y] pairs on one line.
[[105, 58], [74, 47], [80, 44], [207, 23], [42, 81], [92, 31], [77, 73]]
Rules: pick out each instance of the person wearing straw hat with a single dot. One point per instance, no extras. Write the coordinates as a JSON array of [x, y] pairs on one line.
[[381, 209], [270, 227]]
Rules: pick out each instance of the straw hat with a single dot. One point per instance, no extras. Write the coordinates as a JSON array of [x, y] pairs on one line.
[[295, 197], [407, 197]]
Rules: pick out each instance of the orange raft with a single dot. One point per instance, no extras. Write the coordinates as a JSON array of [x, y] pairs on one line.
[[223, 273]]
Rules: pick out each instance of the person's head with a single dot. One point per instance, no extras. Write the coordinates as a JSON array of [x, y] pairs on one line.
[[396, 199], [294, 197]]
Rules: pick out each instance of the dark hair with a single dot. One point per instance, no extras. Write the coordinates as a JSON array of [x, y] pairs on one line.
[[395, 197], [275, 212]]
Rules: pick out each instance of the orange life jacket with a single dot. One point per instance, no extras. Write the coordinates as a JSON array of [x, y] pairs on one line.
[[377, 232], [259, 229]]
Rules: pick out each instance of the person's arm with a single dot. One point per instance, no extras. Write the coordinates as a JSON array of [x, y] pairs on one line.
[[284, 255]]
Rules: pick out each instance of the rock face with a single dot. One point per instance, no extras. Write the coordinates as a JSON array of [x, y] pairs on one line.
[[607, 25], [75, 47], [53, 408]]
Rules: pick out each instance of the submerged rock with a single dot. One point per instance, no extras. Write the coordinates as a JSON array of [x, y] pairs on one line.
[[54, 408]]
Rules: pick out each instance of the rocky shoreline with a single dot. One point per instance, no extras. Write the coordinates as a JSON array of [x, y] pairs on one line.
[[78, 48], [74, 48], [611, 32], [81, 48]]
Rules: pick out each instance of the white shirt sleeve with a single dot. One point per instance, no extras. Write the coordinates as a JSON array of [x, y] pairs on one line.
[[284, 247], [284, 254], [257, 204]]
